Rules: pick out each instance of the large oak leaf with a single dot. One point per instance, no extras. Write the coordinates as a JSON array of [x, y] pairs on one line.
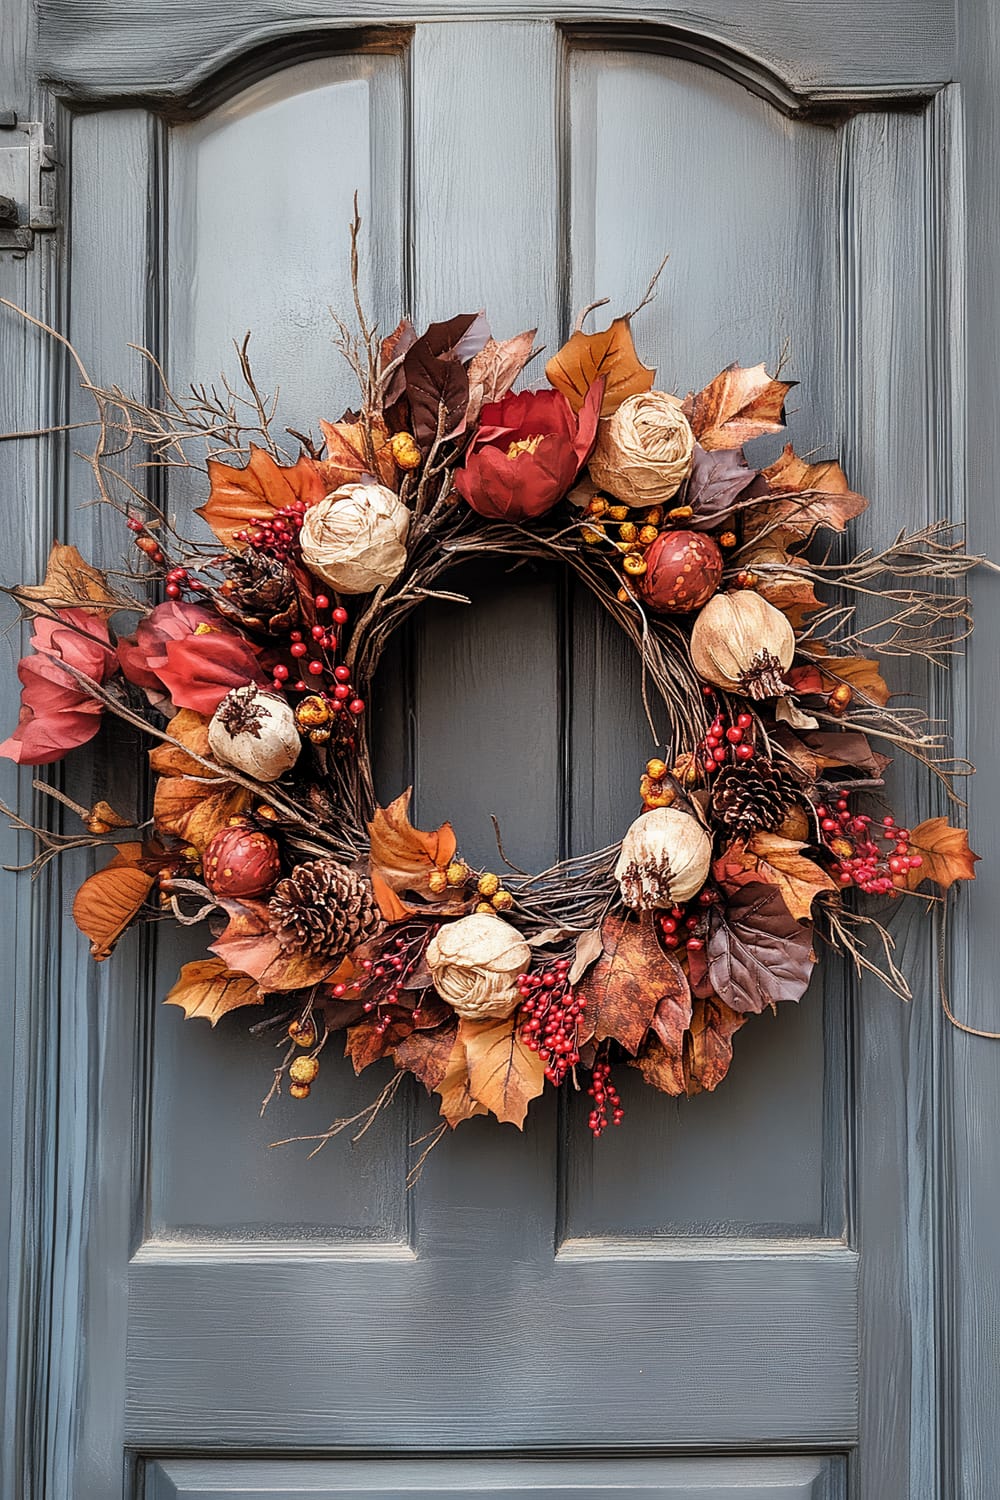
[[110, 899], [426, 1054], [758, 954], [458, 1102], [346, 456], [741, 403], [621, 991], [609, 355], [405, 856], [504, 1074], [207, 990], [805, 498], [945, 852], [239, 497], [708, 1048], [661, 1060]]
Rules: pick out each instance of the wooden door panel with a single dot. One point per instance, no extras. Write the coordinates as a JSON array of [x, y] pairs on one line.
[[511, 1479]]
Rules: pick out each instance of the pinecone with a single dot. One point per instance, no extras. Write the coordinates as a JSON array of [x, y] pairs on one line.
[[752, 796], [259, 592], [323, 909]]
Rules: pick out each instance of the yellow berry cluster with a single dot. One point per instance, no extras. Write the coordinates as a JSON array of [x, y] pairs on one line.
[[488, 886], [303, 1070], [631, 532], [654, 787]]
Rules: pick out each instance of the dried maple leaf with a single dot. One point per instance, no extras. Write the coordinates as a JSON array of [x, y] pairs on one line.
[[190, 803], [504, 1074], [248, 945], [207, 990], [366, 1043], [661, 1067], [494, 369], [109, 900], [392, 907], [780, 862], [69, 583], [402, 855], [661, 1059], [741, 403], [587, 357], [346, 456], [240, 496], [945, 852], [758, 954], [805, 497], [426, 1054], [457, 1100], [621, 991], [708, 1048]]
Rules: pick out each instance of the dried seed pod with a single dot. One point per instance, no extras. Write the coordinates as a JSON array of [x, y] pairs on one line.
[[255, 732], [741, 643], [241, 861], [665, 859], [683, 571], [475, 963], [644, 451]]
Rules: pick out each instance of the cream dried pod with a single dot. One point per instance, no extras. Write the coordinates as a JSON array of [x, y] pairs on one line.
[[741, 643], [355, 538], [475, 962], [664, 860], [644, 451], [254, 732]]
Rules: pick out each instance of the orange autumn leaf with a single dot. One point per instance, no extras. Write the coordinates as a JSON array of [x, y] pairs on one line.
[[404, 856], [69, 583], [780, 862], [248, 945], [708, 1048], [240, 496], [454, 1088], [110, 899], [206, 991], [190, 803], [504, 1074], [426, 1054], [945, 852], [804, 497], [862, 673], [782, 582], [622, 990], [346, 457], [392, 907], [741, 403], [609, 355]]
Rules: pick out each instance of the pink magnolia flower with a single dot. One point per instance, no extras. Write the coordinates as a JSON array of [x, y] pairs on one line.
[[57, 714], [181, 653], [527, 453]]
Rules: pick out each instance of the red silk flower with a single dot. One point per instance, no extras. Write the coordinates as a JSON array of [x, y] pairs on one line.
[[527, 453], [57, 714], [182, 652]]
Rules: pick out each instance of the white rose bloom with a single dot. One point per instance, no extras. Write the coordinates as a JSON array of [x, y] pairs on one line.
[[355, 538]]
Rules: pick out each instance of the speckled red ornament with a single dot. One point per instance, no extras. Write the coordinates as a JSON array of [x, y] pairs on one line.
[[683, 571], [241, 861]]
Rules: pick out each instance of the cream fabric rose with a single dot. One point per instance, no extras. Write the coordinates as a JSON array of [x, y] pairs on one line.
[[474, 963], [355, 538], [644, 451]]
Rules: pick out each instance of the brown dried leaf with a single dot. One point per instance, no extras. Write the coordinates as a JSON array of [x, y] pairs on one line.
[[741, 403], [589, 947], [661, 1060], [109, 900], [405, 856], [758, 954], [189, 802], [780, 862], [69, 583], [346, 457], [862, 673], [945, 852], [782, 582], [504, 1074], [494, 369], [457, 1100], [240, 496], [661, 1067], [102, 818], [709, 1048], [587, 357], [426, 1054], [806, 497], [249, 945], [207, 990], [622, 990]]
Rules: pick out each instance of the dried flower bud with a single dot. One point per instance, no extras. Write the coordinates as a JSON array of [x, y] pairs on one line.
[[635, 566], [457, 872], [665, 859], [437, 882], [475, 962], [488, 884], [741, 643], [299, 1090], [648, 535], [727, 539], [355, 538], [502, 900], [313, 712], [644, 451], [405, 453], [597, 506], [656, 768], [617, 512]]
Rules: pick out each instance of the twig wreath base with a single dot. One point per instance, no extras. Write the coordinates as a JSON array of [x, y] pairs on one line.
[[761, 821]]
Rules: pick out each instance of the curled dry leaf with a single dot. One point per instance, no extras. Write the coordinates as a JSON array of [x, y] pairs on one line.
[[190, 803], [715, 484], [805, 498], [661, 1060], [946, 855], [109, 900], [69, 583], [346, 457], [436, 380], [248, 945], [392, 907], [783, 581], [589, 947], [239, 497], [587, 357], [863, 674], [494, 369], [708, 1048], [404, 856], [621, 991], [367, 1042], [458, 1102], [504, 1074], [102, 818], [738, 405], [779, 862], [426, 1054], [758, 954], [206, 991]]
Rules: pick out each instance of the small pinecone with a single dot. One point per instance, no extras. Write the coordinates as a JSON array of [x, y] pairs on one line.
[[259, 592], [323, 909], [752, 796]]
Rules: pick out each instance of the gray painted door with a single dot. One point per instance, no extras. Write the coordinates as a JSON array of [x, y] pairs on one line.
[[754, 1294]]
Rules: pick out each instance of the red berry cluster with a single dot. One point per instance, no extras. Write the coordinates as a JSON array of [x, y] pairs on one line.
[[278, 533], [310, 659], [725, 743], [145, 541], [683, 926], [605, 1097], [383, 979], [869, 855], [179, 579], [550, 1019]]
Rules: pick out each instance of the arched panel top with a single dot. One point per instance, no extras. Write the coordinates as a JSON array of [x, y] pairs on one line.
[[806, 56]]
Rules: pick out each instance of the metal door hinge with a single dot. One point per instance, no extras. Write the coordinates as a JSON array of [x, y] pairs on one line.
[[27, 182]]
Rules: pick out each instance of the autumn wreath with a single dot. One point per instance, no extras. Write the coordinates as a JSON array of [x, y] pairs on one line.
[[761, 816]]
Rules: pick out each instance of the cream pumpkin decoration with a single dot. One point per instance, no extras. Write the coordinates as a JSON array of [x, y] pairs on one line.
[[665, 858], [355, 538], [254, 732], [475, 962], [644, 451], [741, 643]]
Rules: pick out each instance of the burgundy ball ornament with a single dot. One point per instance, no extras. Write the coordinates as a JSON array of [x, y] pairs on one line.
[[683, 571], [241, 861]]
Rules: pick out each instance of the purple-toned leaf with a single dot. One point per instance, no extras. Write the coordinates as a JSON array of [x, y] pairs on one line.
[[758, 955]]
